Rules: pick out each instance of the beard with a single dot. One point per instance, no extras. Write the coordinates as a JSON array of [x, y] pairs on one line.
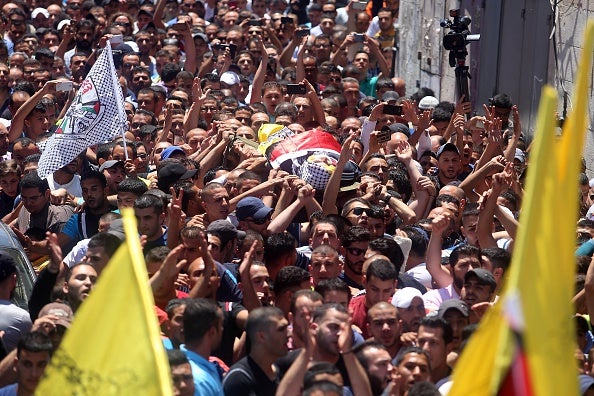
[[83, 45]]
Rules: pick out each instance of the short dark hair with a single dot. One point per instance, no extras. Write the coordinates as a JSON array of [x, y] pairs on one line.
[[435, 322], [501, 100], [320, 312], [109, 242], [35, 341], [464, 250], [149, 201], [440, 115], [289, 277], [133, 185], [278, 245], [500, 258], [406, 351], [259, 319], [333, 284], [355, 234], [94, 174], [176, 357], [174, 303], [200, 315], [32, 180], [389, 248], [381, 269], [419, 240], [318, 368], [312, 295]]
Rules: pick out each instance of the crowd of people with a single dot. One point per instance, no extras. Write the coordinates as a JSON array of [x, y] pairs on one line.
[[360, 266]]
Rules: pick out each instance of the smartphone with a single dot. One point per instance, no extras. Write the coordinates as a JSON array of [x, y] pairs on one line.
[[64, 86], [296, 89], [359, 37], [393, 110], [116, 40], [359, 5], [255, 22], [232, 49], [302, 33], [286, 20], [180, 27], [384, 136]]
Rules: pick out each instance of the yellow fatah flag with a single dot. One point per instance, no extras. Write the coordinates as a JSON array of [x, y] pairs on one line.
[[114, 346], [525, 344]]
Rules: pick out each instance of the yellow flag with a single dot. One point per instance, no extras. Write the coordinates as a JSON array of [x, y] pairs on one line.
[[113, 346], [536, 302]]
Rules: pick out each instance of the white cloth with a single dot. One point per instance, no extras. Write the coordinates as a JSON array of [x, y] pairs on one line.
[[77, 253], [15, 322], [73, 186], [420, 273]]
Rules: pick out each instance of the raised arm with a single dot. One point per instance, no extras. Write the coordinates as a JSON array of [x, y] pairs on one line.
[[283, 219], [316, 105], [163, 281], [260, 75], [333, 186], [193, 114], [375, 50], [158, 15], [190, 49], [440, 274], [18, 119], [510, 150]]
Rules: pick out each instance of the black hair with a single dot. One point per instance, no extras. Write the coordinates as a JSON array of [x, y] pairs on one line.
[[176, 357], [355, 234], [94, 174], [381, 269], [35, 341], [132, 185], [419, 240], [389, 248], [32, 180], [149, 201], [435, 322], [109, 242], [500, 258], [333, 284], [501, 100], [201, 315], [278, 245], [289, 277], [464, 250]]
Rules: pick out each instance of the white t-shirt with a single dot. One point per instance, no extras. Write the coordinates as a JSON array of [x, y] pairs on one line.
[[73, 187]]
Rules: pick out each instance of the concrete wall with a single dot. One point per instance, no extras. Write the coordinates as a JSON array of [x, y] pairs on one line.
[[514, 54], [571, 21]]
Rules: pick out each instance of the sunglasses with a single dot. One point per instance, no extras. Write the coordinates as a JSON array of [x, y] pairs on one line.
[[370, 212], [356, 251], [259, 221]]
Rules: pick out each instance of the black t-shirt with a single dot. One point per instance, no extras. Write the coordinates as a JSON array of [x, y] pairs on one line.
[[6, 204], [230, 331], [247, 378], [285, 362]]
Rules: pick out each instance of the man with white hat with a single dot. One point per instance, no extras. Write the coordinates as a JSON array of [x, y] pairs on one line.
[[410, 307], [230, 80]]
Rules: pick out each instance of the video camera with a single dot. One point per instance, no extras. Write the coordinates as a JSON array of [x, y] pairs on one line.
[[455, 41]]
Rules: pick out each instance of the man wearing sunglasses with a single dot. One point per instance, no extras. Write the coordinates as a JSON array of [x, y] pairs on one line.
[[354, 245], [253, 215], [360, 213]]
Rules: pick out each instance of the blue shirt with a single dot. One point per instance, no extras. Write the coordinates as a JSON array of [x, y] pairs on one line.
[[206, 376], [9, 390]]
